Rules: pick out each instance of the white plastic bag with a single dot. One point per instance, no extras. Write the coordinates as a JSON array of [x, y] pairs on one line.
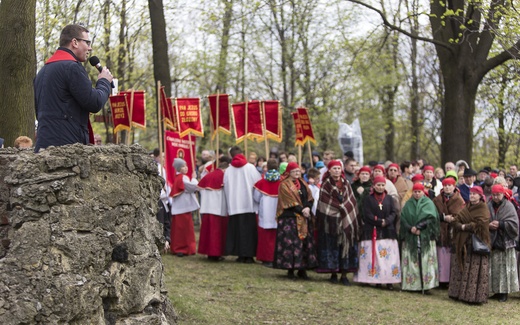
[[351, 139]]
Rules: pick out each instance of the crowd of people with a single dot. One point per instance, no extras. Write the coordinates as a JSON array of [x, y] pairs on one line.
[[407, 224], [410, 223]]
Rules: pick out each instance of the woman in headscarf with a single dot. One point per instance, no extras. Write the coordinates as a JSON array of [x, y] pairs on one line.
[[448, 203], [338, 225], [379, 261], [469, 279], [183, 204], [503, 230], [294, 248], [418, 232], [362, 185], [265, 194]]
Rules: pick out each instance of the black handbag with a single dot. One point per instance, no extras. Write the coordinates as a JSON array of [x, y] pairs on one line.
[[479, 247]]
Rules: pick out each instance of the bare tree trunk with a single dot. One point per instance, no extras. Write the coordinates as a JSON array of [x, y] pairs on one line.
[[224, 44], [463, 66], [161, 63], [106, 39], [414, 89], [18, 62], [503, 137]]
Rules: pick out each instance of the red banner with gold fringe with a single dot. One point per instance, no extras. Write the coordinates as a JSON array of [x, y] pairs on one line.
[[306, 126], [297, 129], [254, 128], [189, 117], [222, 112], [119, 109], [136, 102], [167, 111], [273, 120]]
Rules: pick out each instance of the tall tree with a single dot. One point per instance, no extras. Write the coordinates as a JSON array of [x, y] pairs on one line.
[[161, 63], [221, 85], [464, 32], [18, 62]]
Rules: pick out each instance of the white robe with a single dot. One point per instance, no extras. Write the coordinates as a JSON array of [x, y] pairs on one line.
[[266, 209], [165, 190], [315, 190], [238, 186], [213, 202], [187, 201]]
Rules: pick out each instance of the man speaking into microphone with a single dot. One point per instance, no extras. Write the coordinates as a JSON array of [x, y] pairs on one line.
[[64, 95]]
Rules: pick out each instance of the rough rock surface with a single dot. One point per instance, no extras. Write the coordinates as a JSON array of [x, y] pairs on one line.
[[79, 238]]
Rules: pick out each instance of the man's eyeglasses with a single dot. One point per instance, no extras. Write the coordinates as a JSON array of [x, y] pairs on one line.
[[85, 40]]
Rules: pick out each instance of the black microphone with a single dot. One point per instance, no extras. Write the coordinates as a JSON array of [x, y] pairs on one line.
[[94, 61]]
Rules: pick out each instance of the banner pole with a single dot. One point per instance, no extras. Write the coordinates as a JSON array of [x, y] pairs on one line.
[[217, 128], [160, 125], [245, 139], [131, 112], [300, 154], [310, 152]]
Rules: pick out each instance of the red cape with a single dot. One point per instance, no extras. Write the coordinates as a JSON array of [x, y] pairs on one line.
[[213, 180], [268, 188], [178, 185], [239, 161]]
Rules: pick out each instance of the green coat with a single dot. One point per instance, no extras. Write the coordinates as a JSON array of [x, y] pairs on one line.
[[421, 214]]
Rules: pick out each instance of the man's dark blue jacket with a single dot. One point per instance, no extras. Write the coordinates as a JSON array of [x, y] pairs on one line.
[[64, 98]]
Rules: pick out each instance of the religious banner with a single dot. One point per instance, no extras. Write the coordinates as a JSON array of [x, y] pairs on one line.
[[254, 128], [297, 129], [306, 126], [224, 124], [119, 109], [273, 120], [177, 147], [167, 111], [189, 117], [136, 102]]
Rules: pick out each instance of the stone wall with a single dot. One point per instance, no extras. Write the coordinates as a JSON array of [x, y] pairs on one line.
[[79, 239]]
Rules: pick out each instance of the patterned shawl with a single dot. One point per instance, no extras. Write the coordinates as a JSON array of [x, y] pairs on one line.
[[477, 216], [337, 209], [505, 213], [444, 206], [290, 196], [413, 213]]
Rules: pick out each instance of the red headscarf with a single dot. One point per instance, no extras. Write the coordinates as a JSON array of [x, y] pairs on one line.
[[381, 168], [393, 165], [418, 187], [333, 163], [448, 181], [290, 167], [379, 179], [497, 188]]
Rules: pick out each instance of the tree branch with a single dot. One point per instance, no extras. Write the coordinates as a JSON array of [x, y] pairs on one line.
[[511, 53], [402, 31]]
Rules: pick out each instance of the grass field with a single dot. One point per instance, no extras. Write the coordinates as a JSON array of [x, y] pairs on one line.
[[206, 292]]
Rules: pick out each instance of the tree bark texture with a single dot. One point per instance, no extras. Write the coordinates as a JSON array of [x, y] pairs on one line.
[[18, 62], [161, 63], [464, 61]]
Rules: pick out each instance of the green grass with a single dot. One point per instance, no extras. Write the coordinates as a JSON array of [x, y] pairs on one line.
[[205, 292]]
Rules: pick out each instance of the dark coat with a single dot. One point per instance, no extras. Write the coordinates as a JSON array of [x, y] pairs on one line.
[[371, 210], [64, 98]]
